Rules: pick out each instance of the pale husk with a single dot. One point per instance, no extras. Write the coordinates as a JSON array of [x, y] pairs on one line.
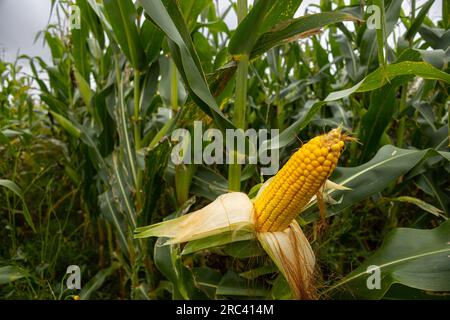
[[294, 257], [229, 211], [326, 190]]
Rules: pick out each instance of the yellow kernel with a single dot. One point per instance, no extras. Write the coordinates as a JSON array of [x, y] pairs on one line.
[[317, 152], [335, 147], [315, 140], [309, 167], [321, 159], [327, 163]]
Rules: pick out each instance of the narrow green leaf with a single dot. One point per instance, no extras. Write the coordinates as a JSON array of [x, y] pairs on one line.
[[280, 11], [427, 183], [420, 203], [79, 48], [207, 279], [8, 184], [89, 17], [258, 272], [171, 22], [294, 29], [122, 16], [376, 119], [381, 76], [11, 273], [110, 212], [418, 20], [97, 281], [85, 89], [152, 39], [246, 34], [233, 285], [67, 125]]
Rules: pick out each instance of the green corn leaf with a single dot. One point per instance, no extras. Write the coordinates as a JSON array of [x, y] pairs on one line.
[[8, 184], [122, 17], [373, 81], [377, 118], [419, 20], [246, 34], [168, 260], [435, 37], [80, 50], [280, 11], [294, 29], [420, 203], [265, 16], [207, 279], [171, 22], [11, 186], [108, 207], [233, 285], [89, 17], [67, 125], [428, 184], [85, 89], [97, 281], [372, 177], [411, 257], [11, 273], [152, 39], [383, 76]]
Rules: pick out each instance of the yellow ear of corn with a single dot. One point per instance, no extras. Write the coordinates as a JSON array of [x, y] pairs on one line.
[[298, 181]]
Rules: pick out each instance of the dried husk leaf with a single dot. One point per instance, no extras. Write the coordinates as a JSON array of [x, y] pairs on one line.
[[294, 257], [230, 211]]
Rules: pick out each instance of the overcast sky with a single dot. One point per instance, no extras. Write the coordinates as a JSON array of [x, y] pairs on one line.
[[20, 20]]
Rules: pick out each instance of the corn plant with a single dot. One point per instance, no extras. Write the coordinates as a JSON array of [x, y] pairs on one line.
[[367, 109]]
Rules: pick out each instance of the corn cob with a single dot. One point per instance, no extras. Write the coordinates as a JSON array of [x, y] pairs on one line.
[[298, 181]]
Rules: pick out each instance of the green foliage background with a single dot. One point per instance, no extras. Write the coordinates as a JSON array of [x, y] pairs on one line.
[[88, 161]]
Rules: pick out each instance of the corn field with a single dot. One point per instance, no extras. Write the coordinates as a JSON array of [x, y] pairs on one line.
[[116, 181]]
